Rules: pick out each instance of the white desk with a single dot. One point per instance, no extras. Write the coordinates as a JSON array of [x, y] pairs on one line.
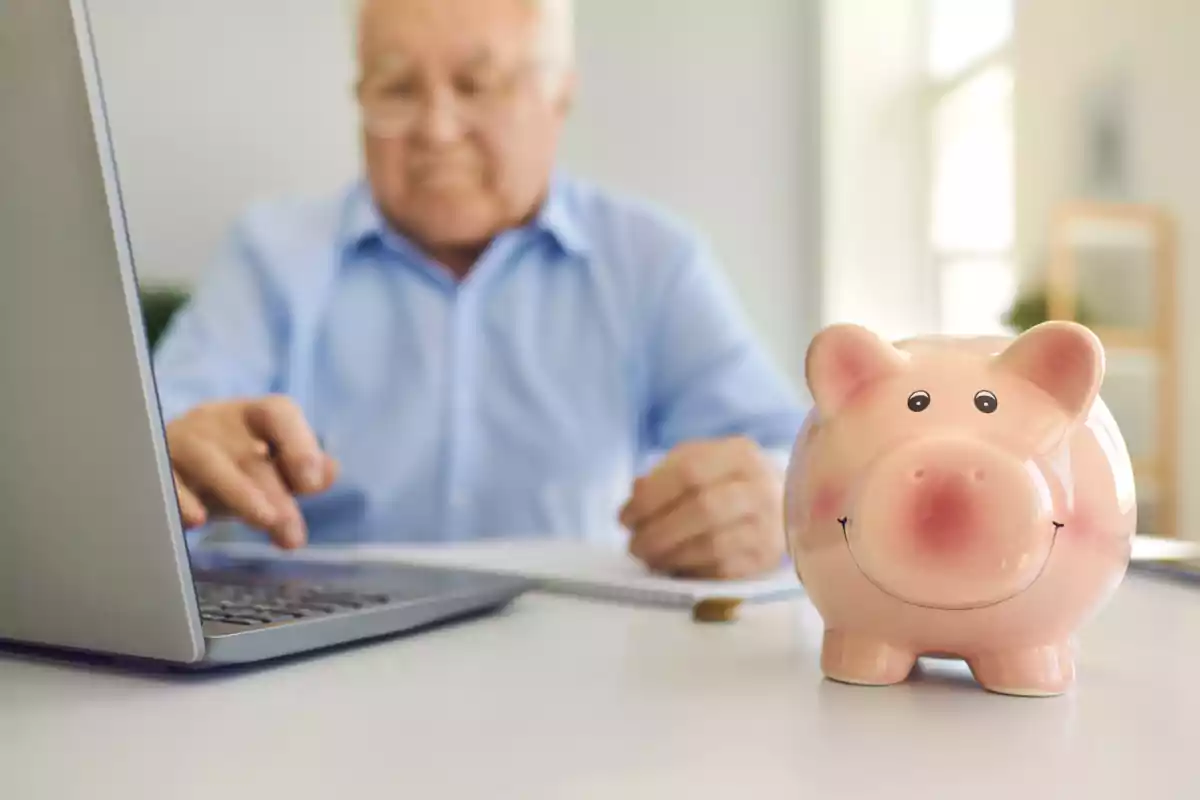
[[572, 699]]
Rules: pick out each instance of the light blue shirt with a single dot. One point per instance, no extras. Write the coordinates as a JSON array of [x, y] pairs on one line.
[[521, 401]]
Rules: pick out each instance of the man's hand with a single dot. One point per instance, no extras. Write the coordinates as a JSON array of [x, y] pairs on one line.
[[248, 459], [711, 509]]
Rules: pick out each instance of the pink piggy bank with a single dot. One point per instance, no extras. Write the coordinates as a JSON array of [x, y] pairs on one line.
[[963, 497]]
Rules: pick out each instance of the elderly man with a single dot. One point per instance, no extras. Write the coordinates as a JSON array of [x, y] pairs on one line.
[[469, 343]]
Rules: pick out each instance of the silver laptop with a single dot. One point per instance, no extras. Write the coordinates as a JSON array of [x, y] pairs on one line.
[[92, 550]]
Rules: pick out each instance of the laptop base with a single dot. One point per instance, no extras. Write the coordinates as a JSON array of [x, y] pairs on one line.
[[261, 609]]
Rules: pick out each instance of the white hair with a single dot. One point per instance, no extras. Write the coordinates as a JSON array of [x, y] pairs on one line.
[[556, 36]]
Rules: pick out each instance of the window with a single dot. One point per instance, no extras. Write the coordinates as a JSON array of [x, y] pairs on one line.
[[960, 33], [971, 182]]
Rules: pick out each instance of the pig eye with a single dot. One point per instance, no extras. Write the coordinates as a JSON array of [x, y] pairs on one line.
[[918, 401], [985, 401]]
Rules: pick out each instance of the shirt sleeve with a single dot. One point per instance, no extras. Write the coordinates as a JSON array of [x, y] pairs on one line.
[[227, 341], [708, 374]]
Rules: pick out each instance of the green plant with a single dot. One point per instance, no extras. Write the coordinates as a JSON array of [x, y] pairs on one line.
[[159, 305], [1031, 307]]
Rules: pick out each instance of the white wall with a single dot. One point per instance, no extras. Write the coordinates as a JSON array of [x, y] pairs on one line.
[[713, 108], [213, 104], [1062, 48], [704, 105]]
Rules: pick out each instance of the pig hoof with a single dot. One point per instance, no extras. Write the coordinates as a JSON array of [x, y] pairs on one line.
[[864, 662], [1037, 672]]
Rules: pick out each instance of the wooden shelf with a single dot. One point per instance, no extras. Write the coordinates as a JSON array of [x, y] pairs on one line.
[[1084, 228], [1145, 468], [1106, 235], [1127, 339]]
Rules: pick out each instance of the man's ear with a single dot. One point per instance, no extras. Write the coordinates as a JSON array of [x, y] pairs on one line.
[[844, 360], [1063, 359]]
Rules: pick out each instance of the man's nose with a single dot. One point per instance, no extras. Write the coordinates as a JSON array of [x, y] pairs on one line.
[[440, 120]]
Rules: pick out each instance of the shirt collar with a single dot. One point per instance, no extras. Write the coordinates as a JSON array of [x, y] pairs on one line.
[[559, 219], [364, 223]]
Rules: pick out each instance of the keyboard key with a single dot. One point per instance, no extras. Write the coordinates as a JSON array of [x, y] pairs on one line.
[[286, 602]]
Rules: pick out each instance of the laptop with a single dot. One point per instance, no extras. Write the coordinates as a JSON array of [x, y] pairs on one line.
[[92, 551]]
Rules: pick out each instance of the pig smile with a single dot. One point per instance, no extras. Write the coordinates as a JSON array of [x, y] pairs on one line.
[[845, 523]]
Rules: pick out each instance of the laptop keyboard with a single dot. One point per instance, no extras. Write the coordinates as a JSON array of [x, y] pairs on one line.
[[239, 604]]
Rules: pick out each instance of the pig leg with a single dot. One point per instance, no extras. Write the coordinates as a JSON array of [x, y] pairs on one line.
[[1032, 672], [852, 658]]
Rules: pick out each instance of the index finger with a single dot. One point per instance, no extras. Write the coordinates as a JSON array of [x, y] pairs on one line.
[[282, 424], [684, 471]]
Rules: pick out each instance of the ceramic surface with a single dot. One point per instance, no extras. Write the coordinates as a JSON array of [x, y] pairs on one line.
[[967, 497]]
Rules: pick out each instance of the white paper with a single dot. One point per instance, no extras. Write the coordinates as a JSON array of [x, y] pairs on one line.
[[601, 571], [1153, 548], [556, 566]]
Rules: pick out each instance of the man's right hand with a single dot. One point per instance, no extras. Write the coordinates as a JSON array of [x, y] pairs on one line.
[[248, 459]]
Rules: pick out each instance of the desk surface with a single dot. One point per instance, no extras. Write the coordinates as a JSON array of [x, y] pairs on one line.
[[571, 699]]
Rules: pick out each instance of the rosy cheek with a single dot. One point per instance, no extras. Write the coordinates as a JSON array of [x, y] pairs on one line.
[[1081, 525], [827, 503], [1072, 525]]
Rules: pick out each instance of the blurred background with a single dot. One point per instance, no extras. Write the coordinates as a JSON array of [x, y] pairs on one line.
[[959, 166]]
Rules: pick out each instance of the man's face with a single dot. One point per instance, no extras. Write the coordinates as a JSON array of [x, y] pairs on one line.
[[459, 131]]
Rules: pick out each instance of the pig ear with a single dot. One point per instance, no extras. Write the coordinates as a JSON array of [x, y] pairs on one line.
[[843, 360], [1063, 359]]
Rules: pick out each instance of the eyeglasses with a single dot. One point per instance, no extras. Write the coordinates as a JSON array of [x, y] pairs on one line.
[[393, 101]]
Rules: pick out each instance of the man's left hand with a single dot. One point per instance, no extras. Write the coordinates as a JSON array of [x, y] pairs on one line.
[[710, 509]]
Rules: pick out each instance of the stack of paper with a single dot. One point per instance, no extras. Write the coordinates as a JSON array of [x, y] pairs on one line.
[[1153, 548], [604, 572], [555, 566]]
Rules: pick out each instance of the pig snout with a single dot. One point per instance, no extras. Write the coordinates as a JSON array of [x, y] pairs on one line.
[[951, 523], [947, 504]]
